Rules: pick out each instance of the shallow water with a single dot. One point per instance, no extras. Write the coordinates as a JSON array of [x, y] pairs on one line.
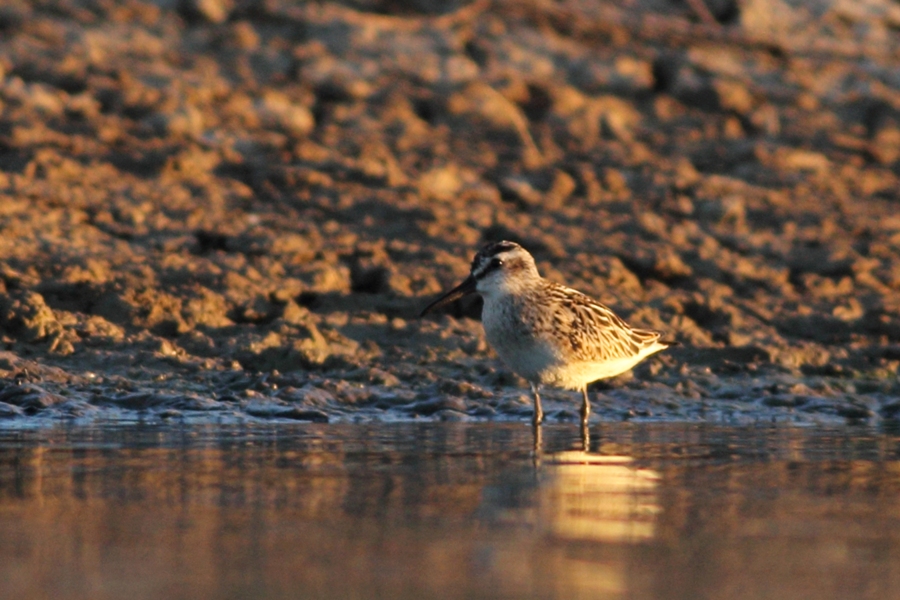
[[449, 510]]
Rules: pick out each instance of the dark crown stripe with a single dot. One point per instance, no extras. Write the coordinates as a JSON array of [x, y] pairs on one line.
[[491, 250], [498, 247]]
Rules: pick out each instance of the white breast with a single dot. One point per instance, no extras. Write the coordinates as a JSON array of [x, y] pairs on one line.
[[515, 340]]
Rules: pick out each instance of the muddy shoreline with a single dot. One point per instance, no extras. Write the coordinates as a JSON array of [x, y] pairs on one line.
[[236, 210]]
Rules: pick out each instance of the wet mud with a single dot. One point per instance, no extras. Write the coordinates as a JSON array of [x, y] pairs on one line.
[[236, 210]]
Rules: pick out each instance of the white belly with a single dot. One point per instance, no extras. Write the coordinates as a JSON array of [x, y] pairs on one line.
[[574, 376], [535, 362]]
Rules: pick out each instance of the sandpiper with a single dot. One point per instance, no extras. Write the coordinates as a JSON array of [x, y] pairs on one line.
[[548, 333]]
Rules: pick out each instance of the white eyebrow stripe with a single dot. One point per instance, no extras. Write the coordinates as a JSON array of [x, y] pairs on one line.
[[487, 264], [483, 269]]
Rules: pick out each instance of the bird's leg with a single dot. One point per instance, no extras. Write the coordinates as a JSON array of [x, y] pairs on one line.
[[538, 449], [585, 412], [538, 413]]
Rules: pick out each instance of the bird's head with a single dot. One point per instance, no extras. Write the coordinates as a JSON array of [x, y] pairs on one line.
[[498, 268]]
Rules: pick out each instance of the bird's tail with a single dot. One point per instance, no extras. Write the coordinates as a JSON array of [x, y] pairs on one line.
[[653, 338]]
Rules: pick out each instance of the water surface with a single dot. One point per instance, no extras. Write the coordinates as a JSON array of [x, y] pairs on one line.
[[450, 510]]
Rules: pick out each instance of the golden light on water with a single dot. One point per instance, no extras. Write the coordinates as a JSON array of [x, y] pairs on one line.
[[449, 511], [599, 498]]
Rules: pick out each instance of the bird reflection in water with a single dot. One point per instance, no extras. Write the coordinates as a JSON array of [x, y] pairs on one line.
[[600, 498], [588, 515], [538, 447], [592, 496]]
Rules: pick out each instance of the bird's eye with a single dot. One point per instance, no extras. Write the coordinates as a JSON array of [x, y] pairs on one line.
[[496, 263]]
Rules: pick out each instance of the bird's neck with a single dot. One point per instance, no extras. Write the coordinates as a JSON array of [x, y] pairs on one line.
[[512, 288]]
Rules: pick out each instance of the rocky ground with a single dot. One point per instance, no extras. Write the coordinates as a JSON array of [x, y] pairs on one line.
[[236, 209]]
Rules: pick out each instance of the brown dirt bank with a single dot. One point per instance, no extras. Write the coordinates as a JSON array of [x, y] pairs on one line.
[[240, 207]]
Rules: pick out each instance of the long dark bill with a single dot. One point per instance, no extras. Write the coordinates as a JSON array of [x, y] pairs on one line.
[[464, 289]]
